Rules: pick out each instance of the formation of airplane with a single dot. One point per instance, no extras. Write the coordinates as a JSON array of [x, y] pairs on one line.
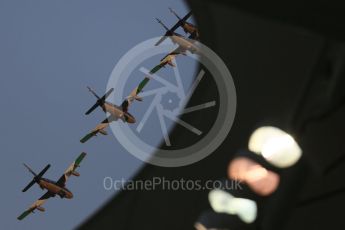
[[53, 187], [116, 112], [121, 112]]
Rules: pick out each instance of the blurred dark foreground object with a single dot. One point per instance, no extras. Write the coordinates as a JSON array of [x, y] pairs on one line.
[[287, 60]]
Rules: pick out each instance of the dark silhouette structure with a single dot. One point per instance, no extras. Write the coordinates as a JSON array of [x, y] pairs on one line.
[[287, 59]]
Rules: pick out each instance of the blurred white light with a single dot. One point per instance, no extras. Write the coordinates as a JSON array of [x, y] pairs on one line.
[[281, 151], [223, 202], [260, 136], [275, 145]]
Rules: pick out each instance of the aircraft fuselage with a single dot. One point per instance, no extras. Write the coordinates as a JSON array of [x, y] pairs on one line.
[[118, 113], [52, 187]]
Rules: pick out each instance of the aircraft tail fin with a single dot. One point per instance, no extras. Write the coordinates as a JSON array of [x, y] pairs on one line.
[[100, 100], [36, 178]]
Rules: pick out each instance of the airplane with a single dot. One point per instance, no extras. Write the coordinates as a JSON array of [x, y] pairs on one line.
[[183, 43], [54, 187], [116, 112], [187, 26], [171, 31]]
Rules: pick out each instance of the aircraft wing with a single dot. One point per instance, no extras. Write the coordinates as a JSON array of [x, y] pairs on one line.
[[99, 129], [134, 95], [175, 52], [36, 205], [71, 170]]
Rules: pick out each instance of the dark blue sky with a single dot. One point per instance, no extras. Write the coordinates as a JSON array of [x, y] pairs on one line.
[[49, 52]]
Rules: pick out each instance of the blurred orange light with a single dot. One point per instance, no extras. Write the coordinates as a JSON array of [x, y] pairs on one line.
[[262, 181]]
